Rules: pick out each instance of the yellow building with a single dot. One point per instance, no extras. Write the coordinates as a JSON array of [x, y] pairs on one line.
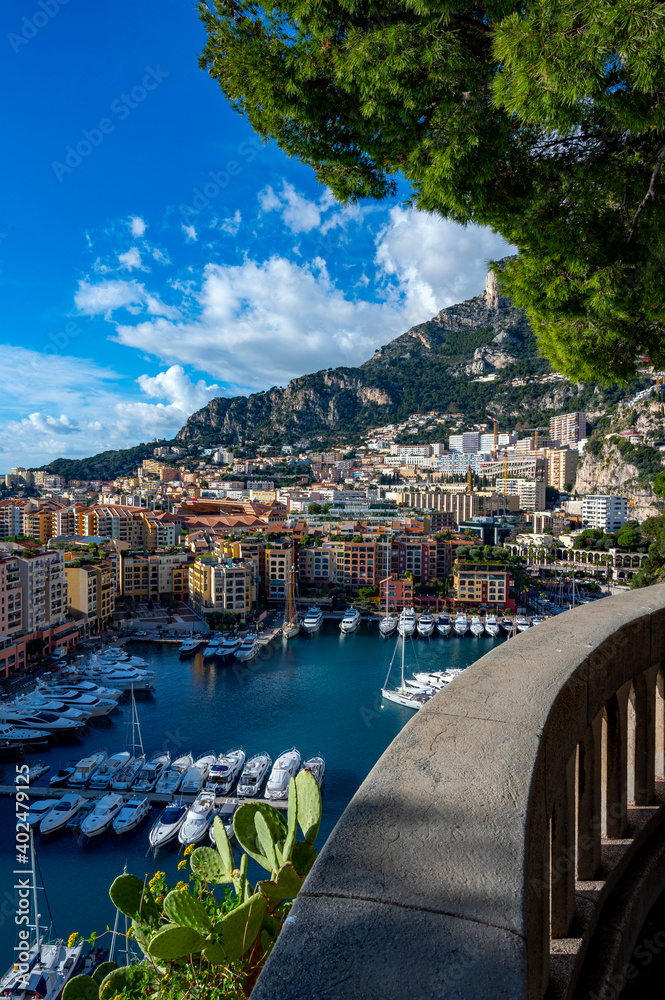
[[38, 524], [561, 467], [278, 572], [91, 593], [147, 576], [481, 584], [220, 586]]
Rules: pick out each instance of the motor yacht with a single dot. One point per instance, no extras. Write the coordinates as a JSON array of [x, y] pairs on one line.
[[132, 813], [443, 625], [248, 648], [313, 619], [125, 778], [426, 625], [62, 775], [191, 646], [106, 771], [387, 626], [537, 620], [285, 767], [94, 707], [253, 775], [226, 770], [350, 621], [34, 702], [38, 811], [225, 814], [317, 767], [508, 625], [85, 769], [21, 736], [430, 679], [461, 624], [61, 813], [74, 823], [477, 628], [211, 650], [104, 812], [167, 826], [39, 719], [83, 687], [151, 771], [523, 624], [228, 646], [169, 780], [492, 626], [406, 623], [198, 819], [37, 769], [195, 776]]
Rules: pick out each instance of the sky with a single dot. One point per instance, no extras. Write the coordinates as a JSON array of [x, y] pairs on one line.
[[154, 253]]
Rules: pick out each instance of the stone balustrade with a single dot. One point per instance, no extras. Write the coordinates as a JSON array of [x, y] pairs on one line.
[[510, 841]]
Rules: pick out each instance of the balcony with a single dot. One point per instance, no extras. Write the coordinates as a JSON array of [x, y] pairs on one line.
[[510, 842]]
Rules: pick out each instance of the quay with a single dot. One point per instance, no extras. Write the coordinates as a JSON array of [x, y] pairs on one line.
[[44, 792]]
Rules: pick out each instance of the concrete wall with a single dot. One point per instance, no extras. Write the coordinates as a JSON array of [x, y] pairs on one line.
[[437, 880]]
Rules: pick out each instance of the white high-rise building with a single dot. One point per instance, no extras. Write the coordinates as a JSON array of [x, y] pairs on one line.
[[466, 443], [604, 512]]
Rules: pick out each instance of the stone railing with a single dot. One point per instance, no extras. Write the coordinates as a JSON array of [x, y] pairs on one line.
[[510, 841]]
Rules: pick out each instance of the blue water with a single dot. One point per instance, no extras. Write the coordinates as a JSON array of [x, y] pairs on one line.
[[317, 692]]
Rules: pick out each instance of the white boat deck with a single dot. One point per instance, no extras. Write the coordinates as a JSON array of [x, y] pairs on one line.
[[156, 799]]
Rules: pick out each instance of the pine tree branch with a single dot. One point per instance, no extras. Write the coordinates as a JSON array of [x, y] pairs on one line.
[[651, 191]]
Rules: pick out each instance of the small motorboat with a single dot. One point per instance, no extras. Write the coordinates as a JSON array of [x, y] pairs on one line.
[[132, 813], [225, 814], [537, 620], [126, 776], [443, 625], [461, 624], [85, 769], [106, 771], [191, 646], [317, 767], [285, 767], [387, 626], [195, 776], [350, 621], [74, 823], [61, 813], [313, 619], [426, 625], [39, 768], [198, 819], [38, 810], [62, 776], [248, 648], [523, 624], [492, 626], [226, 770], [104, 812], [151, 771], [508, 626], [253, 775], [167, 826], [211, 650], [169, 780]]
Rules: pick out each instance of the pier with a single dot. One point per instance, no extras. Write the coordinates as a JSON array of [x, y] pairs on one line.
[[45, 792]]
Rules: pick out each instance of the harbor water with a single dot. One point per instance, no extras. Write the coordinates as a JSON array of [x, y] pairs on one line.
[[319, 693]]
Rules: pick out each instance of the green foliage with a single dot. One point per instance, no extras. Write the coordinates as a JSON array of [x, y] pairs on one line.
[[659, 484], [107, 465]]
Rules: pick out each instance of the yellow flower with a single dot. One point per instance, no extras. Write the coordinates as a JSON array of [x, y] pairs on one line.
[[189, 849], [155, 878], [181, 885], [181, 865], [73, 938]]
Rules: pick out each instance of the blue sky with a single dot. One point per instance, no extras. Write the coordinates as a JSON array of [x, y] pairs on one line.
[[154, 253]]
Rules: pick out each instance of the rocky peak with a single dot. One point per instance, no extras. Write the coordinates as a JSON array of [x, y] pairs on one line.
[[491, 294]]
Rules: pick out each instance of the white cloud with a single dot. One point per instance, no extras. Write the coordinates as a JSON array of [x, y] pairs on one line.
[[103, 298], [231, 226], [45, 423], [130, 259], [302, 215], [174, 385], [190, 233], [137, 225]]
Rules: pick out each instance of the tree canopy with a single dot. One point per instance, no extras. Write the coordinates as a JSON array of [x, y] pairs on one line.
[[544, 120]]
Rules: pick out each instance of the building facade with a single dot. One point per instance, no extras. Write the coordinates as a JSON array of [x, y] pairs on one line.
[[604, 511]]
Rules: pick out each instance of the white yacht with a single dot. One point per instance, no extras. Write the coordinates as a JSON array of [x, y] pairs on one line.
[[460, 624], [317, 767], [248, 648], [508, 625], [477, 628], [350, 621], [211, 650], [62, 775], [37, 769], [125, 778], [85, 769], [132, 813], [195, 776], [492, 626], [35, 702], [191, 646], [38, 810], [104, 812], [167, 826], [523, 624], [84, 687], [537, 620], [387, 625], [227, 648], [39, 719], [61, 813], [226, 770], [169, 780], [106, 771], [426, 625], [285, 767], [402, 695], [253, 775], [406, 624], [313, 619], [18, 736], [443, 625], [225, 814], [198, 819], [151, 771], [429, 679], [83, 702]]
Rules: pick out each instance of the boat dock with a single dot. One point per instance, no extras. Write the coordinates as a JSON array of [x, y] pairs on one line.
[[44, 792]]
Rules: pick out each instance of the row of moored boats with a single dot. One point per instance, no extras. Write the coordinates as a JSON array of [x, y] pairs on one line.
[[408, 623]]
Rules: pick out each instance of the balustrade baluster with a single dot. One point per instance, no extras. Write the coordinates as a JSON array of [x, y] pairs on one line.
[[563, 853], [589, 806], [616, 757]]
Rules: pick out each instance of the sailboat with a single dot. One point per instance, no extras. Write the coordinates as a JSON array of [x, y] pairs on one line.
[[42, 968], [123, 779], [403, 695], [388, 623], [291, 626]]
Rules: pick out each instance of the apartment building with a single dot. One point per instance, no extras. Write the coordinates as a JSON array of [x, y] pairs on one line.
[[44, 589], [561, 467], [395, 593], [148, 576], [467, 442], [531, 492], [11, 600], [220, 586], [91, 594], [482, 585], [38, 524], [417, 556], [604, 511], [11, 516], [355, 564], [278, 572], [461, 504], [568, 428]]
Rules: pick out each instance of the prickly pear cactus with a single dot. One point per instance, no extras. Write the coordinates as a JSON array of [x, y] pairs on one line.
[[309, 805], [173, 942], [244, 826], [129, 894], [187, 911], [118, 980], [264, 836], [223, 844], [81, 988], [239, 929], [103, 970], [208, 862], [285, 885], [303, 857]]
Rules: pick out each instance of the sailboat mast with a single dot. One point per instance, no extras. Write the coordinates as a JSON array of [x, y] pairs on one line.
[[403, 645], [34, 890]]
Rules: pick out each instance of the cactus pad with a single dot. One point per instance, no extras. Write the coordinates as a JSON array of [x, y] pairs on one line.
[[286, 884], [222, 844], [187, 911], [239, 929], [81, 988], [303, 857], [215, 953], [207, 862], [102, 971], [173, 942], [244, 826], [264, 837], [129, 894], [119, 980], [309, 805]]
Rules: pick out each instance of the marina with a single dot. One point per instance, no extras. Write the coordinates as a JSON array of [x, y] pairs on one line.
[[319, 692]]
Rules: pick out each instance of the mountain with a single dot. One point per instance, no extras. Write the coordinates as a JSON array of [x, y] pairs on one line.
[[476, 357]]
